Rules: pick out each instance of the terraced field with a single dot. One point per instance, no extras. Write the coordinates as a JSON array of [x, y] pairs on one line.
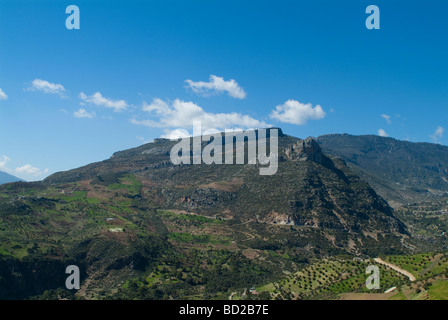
[[342, 278], [329, 278]]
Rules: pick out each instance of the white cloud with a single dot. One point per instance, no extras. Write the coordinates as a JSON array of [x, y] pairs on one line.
[[98, 99], [438, 134], [387, 118], [3, 161], [382, 133], [47, 87], [26, 170], [294, 112], [158, 106], [30, 170], [181, 114], [176, 134], [3, 95], [217, 85], [83, 113]]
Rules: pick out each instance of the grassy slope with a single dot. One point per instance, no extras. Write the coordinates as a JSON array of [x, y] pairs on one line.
[[54, 222], [338, 278]]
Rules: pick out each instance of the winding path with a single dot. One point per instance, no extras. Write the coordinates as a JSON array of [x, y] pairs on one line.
[[398, 269]]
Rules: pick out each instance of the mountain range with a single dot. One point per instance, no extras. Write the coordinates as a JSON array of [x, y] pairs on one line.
[[309, 189], [212, 227], [7, 178], [401, 172]]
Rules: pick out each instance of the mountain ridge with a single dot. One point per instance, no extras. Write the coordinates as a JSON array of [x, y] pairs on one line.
[[400, 171], [305, 191], [8, 178]]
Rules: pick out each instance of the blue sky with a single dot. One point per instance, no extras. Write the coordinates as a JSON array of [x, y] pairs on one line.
[[72, 97]]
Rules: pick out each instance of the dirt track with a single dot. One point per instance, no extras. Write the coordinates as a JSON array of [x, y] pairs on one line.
[[398, 269]]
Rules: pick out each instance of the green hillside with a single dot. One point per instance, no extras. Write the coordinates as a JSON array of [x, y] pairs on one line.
[[140, 227]]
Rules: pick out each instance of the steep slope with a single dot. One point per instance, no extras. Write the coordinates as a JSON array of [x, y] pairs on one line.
[[400, 171]]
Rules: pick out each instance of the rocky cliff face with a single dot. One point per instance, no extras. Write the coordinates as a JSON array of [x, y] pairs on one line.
[[307, 149]]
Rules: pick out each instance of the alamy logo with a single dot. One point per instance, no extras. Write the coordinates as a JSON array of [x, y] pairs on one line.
[[373, 281], [373, 20], [233, 140], [72, 281], [72, 21]]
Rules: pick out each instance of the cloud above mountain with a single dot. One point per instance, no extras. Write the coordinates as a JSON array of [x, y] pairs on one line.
[[438, 134], [3, 161], [30, 170], [217, 85], [98, 100], [382, 133], [26, 170], [182, 114], [295, 112]]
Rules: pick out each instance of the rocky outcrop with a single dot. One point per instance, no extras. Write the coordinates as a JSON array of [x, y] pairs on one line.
[[307, 149]]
